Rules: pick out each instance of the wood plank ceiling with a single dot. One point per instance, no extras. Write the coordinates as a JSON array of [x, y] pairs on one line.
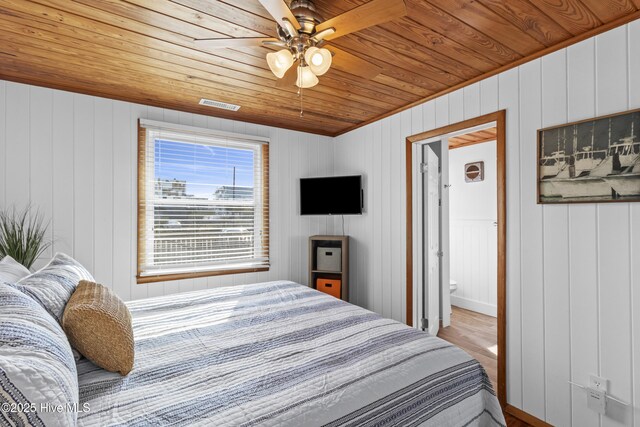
[[471, 138], [143, 51]]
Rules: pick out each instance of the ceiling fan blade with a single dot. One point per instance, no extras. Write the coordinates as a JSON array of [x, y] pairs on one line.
[[279, 9], [367, 15], [344, 61], [289, 78], [231, 43], [321, 35], [274, 43]]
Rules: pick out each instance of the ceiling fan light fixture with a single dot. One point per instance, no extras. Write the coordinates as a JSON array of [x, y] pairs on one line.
[[319, 60], [279, 62], [306, 78]]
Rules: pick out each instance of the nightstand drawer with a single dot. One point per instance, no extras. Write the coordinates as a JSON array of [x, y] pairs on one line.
[[329, 286]]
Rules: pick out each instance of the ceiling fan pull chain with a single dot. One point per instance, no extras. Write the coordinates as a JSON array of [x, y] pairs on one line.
[[300, 89], [301, 109]]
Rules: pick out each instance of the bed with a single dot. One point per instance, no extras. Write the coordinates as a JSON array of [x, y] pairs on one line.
[[280, 353]]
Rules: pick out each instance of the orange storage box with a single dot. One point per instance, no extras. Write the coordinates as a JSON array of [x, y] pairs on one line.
[[330, 286]]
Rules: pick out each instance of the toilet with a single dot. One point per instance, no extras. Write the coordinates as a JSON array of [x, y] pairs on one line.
[[453, 286]]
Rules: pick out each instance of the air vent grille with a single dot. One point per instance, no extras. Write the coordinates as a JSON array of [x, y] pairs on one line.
[[218, 104]]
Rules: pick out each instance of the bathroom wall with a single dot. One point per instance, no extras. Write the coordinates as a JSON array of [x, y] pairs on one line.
[[473, 232]]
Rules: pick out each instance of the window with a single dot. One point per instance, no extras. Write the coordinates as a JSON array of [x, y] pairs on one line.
[[203, 202]]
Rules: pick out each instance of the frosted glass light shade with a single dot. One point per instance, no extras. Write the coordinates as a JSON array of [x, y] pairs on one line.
[[319, 60], [280, 62], [306, 78]]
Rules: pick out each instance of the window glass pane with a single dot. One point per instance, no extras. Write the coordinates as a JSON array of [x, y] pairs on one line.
[[203, 230], [203, 172]]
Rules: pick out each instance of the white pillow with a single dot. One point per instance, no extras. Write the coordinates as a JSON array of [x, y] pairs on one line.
[[11, 270], [36, 364], [53, 284]]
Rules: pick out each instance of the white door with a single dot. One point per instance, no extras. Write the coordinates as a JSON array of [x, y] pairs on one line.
[[431, 239], [445, 307]]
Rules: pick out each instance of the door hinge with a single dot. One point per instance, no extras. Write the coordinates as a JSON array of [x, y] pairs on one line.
[[424, 168], [424, 323], [440, 254]]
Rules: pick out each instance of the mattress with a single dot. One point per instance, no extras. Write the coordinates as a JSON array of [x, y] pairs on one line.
[[282, 354]]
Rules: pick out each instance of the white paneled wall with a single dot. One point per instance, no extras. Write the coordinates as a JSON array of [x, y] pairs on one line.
[[573, 271], [473, 249], [74, 157]]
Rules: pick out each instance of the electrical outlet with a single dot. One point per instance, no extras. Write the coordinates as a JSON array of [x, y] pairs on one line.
[[598, 383]]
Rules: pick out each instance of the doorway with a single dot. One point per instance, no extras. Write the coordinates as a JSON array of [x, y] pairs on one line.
[[429, 283], [469, 294]]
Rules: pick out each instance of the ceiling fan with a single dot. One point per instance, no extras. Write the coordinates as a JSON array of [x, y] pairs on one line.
[[302, 33]]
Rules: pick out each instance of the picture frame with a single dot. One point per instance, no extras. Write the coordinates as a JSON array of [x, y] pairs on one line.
[[590, 161]]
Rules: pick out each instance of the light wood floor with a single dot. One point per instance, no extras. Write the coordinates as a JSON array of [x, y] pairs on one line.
[[477, 334]]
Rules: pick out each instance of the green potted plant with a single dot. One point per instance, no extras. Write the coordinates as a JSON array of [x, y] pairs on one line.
[[23, 235]]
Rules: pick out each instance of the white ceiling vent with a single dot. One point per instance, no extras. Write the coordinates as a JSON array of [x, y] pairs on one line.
[[218, 104]]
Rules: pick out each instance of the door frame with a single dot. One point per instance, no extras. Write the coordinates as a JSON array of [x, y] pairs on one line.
[[499, 117]]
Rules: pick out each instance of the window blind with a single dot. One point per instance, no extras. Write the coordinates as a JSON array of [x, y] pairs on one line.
[[203, 202]]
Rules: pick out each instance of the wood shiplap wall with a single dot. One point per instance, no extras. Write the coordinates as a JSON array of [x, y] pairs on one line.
[[573, 271], [74, 157]]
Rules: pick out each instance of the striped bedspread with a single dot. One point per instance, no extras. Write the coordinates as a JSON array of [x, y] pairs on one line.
[[279, 354]]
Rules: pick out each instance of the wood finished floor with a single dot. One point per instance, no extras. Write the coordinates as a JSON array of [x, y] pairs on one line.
[[476, 334]]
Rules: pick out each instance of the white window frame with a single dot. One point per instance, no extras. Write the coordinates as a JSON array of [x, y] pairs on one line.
[[148, 132]]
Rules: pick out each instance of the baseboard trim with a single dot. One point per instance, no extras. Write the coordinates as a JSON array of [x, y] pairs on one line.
[[477, 306], [523, 416]]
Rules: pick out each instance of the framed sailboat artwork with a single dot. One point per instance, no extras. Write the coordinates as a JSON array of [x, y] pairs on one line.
[[590, 161]]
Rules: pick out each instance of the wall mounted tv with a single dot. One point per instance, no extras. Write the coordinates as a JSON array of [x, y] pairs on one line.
[[332, 195]]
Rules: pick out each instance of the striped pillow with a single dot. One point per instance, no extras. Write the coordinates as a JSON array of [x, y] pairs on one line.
[[36, 364], [52, 285], [11, 270]]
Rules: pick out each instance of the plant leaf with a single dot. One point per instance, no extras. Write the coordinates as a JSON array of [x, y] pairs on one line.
[[23, 235]]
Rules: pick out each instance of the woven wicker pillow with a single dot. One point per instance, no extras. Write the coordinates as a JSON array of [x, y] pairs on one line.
[[98, 325]]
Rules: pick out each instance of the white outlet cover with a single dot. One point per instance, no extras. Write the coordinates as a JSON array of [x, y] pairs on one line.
[[597, 401], [598, 383]]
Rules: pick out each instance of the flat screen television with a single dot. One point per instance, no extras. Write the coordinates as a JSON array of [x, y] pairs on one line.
[[333, 195]]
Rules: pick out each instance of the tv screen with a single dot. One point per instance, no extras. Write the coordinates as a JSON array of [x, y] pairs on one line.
[[335, 195]]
